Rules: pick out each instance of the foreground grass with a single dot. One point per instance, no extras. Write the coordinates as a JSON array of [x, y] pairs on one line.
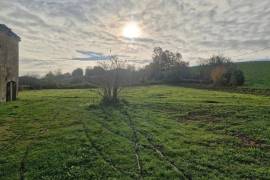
[[161, 131]]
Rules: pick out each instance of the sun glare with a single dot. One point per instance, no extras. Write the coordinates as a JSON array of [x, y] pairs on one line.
[[131, 30]]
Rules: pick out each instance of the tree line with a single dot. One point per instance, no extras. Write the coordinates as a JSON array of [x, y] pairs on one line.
[[166, 67]]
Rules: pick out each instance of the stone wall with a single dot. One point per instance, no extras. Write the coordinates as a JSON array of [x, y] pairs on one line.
[[9, 62]]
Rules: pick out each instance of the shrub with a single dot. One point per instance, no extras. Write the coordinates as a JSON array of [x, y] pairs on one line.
[[232, 77], [237, 78], [221, 71], [217, 75]]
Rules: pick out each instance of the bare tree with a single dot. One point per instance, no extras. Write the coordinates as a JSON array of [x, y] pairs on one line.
[[110, 82]]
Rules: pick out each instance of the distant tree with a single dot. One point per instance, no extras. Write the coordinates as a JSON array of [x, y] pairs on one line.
[[49, 81], [77, 73], [214, 67], [77, 76], [234, 77], [217, 74], [217, 60], [94, 76], [221, 70], [90, 72], [238, 78], [167, 66], [29, 82]]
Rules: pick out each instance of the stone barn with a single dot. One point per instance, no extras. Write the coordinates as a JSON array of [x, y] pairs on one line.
[[9, 64]]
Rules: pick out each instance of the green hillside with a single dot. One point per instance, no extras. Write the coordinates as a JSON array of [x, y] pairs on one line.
[[257, 73]]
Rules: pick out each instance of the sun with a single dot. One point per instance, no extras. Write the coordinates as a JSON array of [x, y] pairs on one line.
[[131, 30]]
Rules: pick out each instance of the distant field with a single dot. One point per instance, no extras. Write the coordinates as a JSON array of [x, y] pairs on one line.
[[161, 132], [257, 74]]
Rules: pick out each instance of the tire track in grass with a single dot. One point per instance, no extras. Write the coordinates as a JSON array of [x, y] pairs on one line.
[[98, 152], [152, 146], [155, 148], [23, 162], [136, 144], [107, 127], [23, 167], [18, 137], [11, 145]]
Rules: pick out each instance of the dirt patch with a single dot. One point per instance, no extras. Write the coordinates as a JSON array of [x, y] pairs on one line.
[[203, 116], [248, 141]]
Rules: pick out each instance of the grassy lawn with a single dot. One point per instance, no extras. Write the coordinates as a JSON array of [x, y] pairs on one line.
[[160, 131]]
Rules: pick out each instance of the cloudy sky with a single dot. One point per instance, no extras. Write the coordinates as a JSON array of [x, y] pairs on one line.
[[65, 34]]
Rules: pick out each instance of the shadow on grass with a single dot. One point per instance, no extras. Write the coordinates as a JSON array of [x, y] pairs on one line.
[[111, 105]]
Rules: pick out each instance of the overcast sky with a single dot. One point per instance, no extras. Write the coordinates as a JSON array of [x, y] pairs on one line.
[[66, 34]]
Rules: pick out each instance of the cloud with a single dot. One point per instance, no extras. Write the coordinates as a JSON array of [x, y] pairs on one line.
[[96, 56], [77, 33], [91, 56]]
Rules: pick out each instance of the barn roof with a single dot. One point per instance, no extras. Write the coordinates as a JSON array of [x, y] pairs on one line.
[[9, 32]]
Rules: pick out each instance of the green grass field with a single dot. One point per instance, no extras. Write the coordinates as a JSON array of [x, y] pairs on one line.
[[158, 132], [257, 74]]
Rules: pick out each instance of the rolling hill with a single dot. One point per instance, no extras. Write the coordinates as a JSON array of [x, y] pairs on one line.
[[257, 74]]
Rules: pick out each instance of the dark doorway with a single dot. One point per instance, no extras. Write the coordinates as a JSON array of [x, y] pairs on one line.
[[11, 93], [8, 94], [14, 91]]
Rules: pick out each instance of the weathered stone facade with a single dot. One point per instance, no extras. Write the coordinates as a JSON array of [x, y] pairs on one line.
[[9, 64]]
